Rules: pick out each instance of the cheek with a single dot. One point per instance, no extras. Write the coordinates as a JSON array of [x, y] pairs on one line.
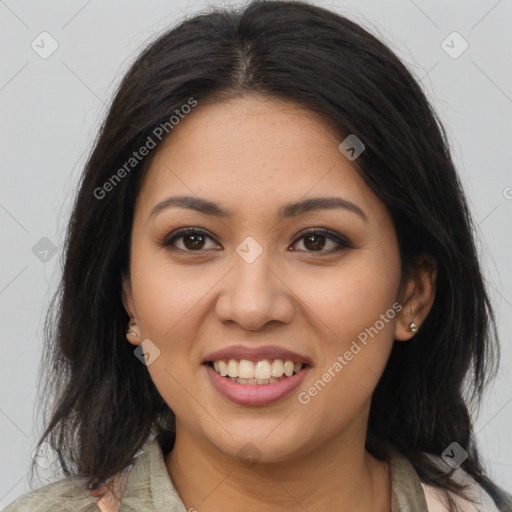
[[168, 303], [167, 295], [352, 296]]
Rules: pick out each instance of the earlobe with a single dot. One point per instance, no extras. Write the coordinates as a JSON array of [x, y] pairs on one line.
[[418, 298], [407, 324], [132, 333]]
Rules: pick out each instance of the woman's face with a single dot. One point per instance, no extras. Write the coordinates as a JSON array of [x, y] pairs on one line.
[[259, 285]]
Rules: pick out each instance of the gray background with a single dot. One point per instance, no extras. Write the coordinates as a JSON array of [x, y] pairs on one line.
[[51, 109]]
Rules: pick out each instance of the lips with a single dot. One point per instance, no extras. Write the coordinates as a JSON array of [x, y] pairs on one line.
[[256, 375], [255, 395]]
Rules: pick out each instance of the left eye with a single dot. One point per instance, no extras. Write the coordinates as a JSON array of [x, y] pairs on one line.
[[193, 240], [314, 241]]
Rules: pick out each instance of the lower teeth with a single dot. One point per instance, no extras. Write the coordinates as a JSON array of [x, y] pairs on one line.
[[256, 381]]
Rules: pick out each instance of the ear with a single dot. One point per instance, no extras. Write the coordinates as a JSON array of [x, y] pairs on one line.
[[418, 293], [132, 329]]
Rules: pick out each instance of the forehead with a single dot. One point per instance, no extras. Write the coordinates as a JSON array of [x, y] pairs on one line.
[[254, 152]]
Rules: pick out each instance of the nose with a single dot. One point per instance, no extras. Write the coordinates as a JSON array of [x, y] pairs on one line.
[[254, 295]]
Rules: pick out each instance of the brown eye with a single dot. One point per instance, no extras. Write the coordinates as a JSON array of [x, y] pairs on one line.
[[192, 240], [315, 241]]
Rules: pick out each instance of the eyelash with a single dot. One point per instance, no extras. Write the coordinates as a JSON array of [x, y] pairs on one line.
[[341, 241]]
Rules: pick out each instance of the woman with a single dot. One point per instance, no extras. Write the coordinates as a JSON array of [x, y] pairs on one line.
[[269, 267]]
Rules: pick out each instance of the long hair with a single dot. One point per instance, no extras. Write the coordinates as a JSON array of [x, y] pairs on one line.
[[104, 404]]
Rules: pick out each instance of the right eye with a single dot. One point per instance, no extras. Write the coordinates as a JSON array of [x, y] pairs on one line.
[[192, 239]]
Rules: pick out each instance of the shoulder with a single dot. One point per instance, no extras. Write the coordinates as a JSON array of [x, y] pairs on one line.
[[73, 495], [69, 494], [478, 499], [408, 489], [437, 499]]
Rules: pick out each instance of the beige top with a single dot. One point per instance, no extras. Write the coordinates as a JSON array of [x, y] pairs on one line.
[[145, 486]]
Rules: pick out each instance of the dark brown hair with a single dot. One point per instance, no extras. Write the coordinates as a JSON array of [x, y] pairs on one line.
[[104, 403]]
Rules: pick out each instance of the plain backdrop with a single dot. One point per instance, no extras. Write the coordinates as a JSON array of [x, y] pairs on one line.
[[51, 108]]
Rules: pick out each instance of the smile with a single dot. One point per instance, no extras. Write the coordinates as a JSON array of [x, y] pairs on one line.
[[256, 372]]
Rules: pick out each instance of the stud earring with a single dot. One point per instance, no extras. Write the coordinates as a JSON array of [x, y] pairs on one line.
[[130, 330], [413, 327]]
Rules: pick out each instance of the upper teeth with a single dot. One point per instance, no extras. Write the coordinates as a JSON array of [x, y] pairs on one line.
[[256, 369]]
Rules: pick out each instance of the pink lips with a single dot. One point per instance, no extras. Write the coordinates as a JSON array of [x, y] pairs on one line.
[[256, 394]]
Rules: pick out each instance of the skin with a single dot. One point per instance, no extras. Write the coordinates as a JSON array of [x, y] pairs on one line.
[[252, 155]]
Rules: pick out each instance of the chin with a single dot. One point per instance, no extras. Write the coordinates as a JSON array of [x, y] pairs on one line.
[[260, 447]]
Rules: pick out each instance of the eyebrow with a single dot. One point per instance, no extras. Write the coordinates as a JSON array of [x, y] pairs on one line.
[[288, 210]]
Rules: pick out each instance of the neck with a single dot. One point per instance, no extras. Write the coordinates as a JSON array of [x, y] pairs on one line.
[[338, 475]]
